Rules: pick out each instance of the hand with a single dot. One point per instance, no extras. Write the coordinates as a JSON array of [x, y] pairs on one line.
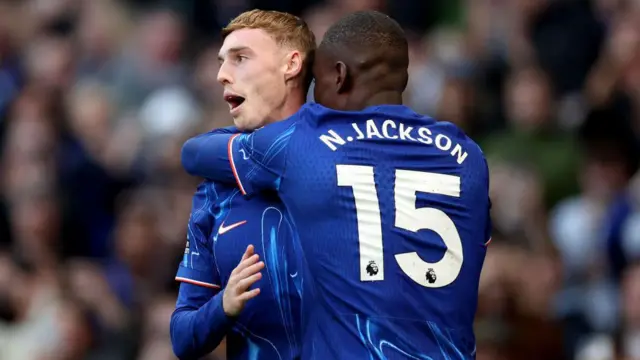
[[247, 273]]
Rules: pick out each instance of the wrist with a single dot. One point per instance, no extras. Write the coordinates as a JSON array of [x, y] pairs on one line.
[[226, 312]]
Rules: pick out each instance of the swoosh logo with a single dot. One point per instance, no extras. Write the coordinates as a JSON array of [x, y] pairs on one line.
[[223, 229]]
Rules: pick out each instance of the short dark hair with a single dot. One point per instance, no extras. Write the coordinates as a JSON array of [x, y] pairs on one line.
[[371, 29], [372, 39]]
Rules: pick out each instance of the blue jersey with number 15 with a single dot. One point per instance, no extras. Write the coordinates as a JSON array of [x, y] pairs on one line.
[[392, 213]]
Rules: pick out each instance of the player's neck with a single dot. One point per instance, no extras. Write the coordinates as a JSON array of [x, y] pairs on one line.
[[382, 98], [291, 105]]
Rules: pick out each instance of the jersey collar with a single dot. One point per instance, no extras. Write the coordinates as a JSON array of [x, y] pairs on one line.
[[397, 109]]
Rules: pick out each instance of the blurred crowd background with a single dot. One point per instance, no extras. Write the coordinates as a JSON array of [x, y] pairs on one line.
[[97, 96]]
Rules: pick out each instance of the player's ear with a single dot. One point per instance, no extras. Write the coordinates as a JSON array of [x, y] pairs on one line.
[[293, 66], [342, 77]]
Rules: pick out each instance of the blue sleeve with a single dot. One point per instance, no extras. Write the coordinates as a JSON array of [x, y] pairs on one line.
[[198, 323], [196, 152], [254, 161], [198, 265]]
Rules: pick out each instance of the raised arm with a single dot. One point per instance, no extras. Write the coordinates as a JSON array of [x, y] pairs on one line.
[[254, 161], [199, 152]]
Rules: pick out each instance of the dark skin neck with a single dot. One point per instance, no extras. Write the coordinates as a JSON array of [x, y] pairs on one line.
[[364, 76], [366, 79], [380, 85], [361, 101], [384, 98]]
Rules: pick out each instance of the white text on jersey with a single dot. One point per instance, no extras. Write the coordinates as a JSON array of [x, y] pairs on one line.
[[392, 130]]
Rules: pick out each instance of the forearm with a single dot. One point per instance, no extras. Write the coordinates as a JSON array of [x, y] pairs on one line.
[[207, 156], [252, 162], [196, 333]]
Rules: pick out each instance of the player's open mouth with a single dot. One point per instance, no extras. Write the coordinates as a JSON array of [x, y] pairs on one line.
[[234, 102]]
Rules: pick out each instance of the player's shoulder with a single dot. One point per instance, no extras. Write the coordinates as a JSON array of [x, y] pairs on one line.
[[449, 138], [454, 132], [312, 108], [314, 113], [308, 114]]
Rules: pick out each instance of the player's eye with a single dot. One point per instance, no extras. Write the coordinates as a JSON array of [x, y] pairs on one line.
[[241, 58]]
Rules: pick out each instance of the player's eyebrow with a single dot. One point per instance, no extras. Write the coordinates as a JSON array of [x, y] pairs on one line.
[[233, 50]]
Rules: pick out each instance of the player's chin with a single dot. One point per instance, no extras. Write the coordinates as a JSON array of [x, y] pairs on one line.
[[246, 123], [238, 123]]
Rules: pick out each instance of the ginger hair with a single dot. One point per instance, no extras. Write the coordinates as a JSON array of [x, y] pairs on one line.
[[286, 29]]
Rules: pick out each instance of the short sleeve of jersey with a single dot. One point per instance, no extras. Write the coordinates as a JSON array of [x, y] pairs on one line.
[[198, 265], [258, 160]]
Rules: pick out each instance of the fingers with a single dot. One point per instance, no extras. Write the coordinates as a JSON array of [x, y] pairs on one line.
[[245, 263], [246, 283], [247, 253], [250, 270], [243, 277], [249, 295]]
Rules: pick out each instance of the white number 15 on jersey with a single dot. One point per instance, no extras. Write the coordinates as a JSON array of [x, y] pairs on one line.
[[408, 217]]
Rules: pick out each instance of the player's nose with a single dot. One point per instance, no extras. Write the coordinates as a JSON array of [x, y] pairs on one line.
[[224, 75]]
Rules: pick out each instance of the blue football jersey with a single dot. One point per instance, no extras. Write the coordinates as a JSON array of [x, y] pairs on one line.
[[392, 213], [222, 225]]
